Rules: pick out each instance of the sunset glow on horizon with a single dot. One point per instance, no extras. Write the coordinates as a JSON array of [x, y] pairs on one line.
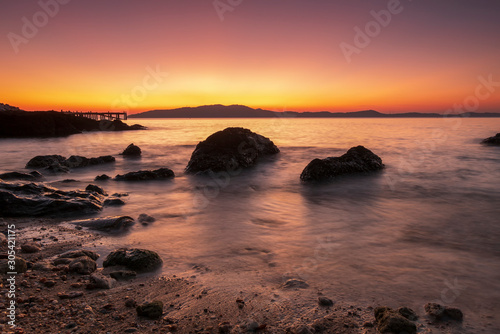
[[424, 56]]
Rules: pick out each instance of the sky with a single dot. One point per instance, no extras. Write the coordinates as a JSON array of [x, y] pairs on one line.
[[301, 55]]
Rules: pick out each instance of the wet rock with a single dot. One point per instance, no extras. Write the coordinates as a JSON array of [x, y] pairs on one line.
[[408, 313], [132, 150], [32, 176], [30, 248], [389, 320], [83, 265], [134, 259], [230, 150], [95, 189], [356, 160], [146, 175], [20, 266], [34, 200], [114, 202], [102, 177], [495, 140], [79, 253], [323, 301], [123, 274], [145, 219], [439, 312], [152, 310], [115, 223], [99, 281], [295, 283], [43, 161], [76, 161]]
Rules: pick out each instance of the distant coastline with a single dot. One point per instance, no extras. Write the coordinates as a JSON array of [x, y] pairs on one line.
[[240, 111]]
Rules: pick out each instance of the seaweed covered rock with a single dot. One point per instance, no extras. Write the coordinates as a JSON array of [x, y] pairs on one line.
[[146, 175], [135, 259], [229, 150], [495, 140], [357, 160]]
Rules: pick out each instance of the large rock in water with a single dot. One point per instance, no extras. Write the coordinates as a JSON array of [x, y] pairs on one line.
[[146, 175], [132, 151], [32, 176], [229, 150], [135, 259], [357, 160], [34, 200], [495, 140]]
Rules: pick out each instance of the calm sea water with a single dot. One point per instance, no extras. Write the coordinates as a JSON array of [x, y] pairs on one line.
[[425, 229]]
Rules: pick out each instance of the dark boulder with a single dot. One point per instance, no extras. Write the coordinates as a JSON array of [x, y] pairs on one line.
[[76, 161], [116, 223], [32, 176], [357, 160], [114, 202], [134, 259], [102, 177], [34, 200], [95, 189], [389, 320], [132, 151], [43, 161], [59, 164], [229, 150], [146, 175], [146, 219], [152, 310], [495, 140], [439, 312]]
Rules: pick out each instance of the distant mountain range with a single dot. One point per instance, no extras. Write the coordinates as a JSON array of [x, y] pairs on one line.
[[239, 111]]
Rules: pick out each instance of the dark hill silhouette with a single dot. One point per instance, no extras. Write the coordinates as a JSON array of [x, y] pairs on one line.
[[239, 111]]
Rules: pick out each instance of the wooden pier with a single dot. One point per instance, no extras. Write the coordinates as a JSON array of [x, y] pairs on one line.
[[98, 116]]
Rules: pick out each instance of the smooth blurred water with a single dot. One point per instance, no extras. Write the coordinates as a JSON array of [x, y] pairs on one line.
[[425, 229]]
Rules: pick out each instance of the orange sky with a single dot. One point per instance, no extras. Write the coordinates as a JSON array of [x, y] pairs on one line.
[[279, 55]]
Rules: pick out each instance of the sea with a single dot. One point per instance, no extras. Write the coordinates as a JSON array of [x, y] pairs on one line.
[[425, 229]]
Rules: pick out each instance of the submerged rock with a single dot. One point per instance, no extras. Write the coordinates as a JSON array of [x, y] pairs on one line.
[[357, 160], [33, 200], [134, 259], [34, 175], [145, 219], [115, 223], [42, 161], [389, 320], [58, 163], [102, 177], [146, 175], [229, 150], [114, 202], [495, 140], [76, 161], [439, 312], [132, 151]]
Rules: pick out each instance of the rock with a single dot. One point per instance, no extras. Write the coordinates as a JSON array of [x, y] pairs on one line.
[[76, 161], [32, 176], [83, 265], [439, 312], [389, 320], [132, 150], [152, 310], [408, 313], [99, 281], [102, 177], [356, 160], [42, 266], [123, 274], [229, 150], [30, 248], [43, 161], [145, 219], [20, 266], [79, 253], [130, 303], [134, 259], [488, 141], [71, 295], [295, 283], [225, 328], [146, 175], [62, 261], [114, 202], [323, 301], [33, 200], [115, 223], [95, 189], [49, 284]]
